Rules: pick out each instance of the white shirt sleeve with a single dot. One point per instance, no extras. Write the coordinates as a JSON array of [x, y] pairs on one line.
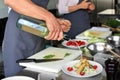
[[64, 4]]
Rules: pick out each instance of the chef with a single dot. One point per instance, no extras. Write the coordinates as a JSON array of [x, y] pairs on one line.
[[19, 44]]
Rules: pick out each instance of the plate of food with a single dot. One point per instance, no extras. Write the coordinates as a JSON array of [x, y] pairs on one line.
[[82, 68], [74, 43], [91, 33]]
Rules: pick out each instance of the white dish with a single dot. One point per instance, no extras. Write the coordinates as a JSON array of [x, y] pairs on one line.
[[100, 28], [18, 78], [73, 73], [96, 33], [64, 43]]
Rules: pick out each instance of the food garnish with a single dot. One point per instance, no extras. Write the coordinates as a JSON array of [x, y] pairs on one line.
[[66, 54], [49, 56]]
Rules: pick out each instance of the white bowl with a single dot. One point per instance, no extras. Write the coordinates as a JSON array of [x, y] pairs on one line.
[[18, 78]]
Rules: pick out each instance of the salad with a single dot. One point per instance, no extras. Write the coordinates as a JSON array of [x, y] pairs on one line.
[[83, 67]]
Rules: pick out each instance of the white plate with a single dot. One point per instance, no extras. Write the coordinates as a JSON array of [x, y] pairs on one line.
[[73, 73], [97, 33], [74, 47], [18, 78]]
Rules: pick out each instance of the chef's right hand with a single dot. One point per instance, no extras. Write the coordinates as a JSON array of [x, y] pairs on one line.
[[55, 29]]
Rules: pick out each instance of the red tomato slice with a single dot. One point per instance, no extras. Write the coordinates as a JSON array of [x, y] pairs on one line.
[[95, 67], [69, 68], [75, 43], [82, 73]]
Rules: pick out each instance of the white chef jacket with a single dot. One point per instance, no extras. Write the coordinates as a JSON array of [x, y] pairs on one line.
[[63, 5]]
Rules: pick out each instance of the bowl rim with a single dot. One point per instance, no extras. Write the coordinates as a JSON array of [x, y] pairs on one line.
[[98, 42]]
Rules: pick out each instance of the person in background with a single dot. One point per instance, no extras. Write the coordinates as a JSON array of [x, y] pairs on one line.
[[18, 44], [77, 11]]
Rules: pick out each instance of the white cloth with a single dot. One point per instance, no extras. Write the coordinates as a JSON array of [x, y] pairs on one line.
[[64, 4]]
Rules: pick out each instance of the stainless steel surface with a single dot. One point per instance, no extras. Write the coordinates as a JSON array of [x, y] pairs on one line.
[[114, 40]]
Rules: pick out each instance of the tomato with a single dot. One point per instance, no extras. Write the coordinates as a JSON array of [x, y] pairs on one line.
[[95, 67], [75, 43], [82, 43], [82, 73], [69, 68], [69, 43]]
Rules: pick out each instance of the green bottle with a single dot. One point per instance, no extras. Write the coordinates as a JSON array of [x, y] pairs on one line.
[[32, 25]]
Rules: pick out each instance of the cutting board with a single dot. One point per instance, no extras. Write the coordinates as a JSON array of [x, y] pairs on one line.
[[54, 66]]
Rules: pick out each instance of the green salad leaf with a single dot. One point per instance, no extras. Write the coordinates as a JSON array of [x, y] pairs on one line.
[[49, 56], [66, 54]]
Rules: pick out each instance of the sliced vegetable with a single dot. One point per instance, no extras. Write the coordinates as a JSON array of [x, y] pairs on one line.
[[76, 43], [95, 67], [82, 73], [69, 68], [66, 54]]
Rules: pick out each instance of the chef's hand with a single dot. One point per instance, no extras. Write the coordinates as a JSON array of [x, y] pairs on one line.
[[91, 7], [54, 27], [65, 24], [84, 4]]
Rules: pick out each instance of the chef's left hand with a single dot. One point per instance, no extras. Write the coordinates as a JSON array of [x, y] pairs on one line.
[[65, 24], [91, 7]]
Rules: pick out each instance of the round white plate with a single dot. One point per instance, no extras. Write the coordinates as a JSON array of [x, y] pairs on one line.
[[74, 47], [73, 73], [18, 78]]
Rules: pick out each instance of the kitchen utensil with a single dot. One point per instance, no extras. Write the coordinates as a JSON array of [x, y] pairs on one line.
[[98, 47], [114, 53], [37, 60], [114, 40]]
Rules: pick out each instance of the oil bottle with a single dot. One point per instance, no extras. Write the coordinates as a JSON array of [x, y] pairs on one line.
[[32, 25]]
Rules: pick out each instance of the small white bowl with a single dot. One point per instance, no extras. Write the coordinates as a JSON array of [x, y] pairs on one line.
[[18, 78]]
